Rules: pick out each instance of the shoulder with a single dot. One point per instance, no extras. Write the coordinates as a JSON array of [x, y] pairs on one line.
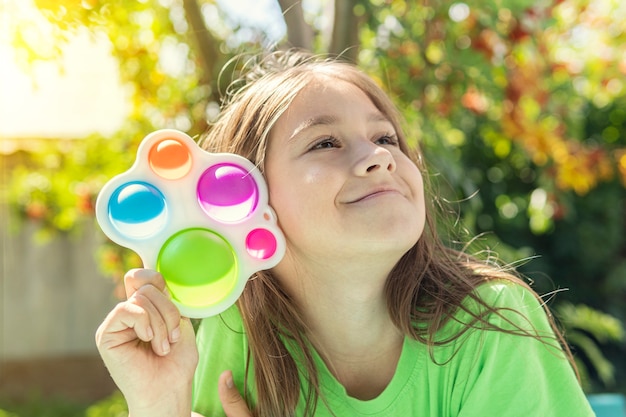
[[509, 303], [498, 306], [500, 293], [510, 356]]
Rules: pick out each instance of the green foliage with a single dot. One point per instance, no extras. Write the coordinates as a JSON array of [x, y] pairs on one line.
[[57, 187], [39, 407], [586, 330], [112, 406], [495, 78]]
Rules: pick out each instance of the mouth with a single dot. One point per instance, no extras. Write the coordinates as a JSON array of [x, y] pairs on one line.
[[375, 193]]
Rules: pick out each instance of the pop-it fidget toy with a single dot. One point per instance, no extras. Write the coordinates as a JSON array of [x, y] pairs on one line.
[[201, 219]]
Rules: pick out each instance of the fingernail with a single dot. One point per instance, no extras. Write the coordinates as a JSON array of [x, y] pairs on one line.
[[229, 382], [175, 336], [165, 346], [150, 334]]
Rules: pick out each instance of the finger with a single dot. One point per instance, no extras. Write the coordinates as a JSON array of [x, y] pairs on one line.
[[137, 278], [166, 308], [160, 312], [125, 323], [232, 402]]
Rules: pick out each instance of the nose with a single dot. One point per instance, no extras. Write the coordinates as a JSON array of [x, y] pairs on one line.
[[374, 158]]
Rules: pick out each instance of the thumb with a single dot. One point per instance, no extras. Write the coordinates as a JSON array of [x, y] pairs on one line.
[[232, 402]]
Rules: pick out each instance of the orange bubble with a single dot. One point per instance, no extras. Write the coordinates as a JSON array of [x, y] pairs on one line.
[[170, 159]]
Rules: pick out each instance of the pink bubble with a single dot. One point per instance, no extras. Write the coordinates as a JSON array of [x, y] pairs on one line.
[[261, 244], [227, 192]]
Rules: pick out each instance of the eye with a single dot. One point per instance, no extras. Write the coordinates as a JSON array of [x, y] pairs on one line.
[[326, 143], [387, 140]]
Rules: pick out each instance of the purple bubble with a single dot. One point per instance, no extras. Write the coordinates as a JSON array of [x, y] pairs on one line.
[[227, 193]]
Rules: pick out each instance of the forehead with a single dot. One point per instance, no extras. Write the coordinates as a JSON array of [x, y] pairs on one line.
[[321, 86], [326, 100]]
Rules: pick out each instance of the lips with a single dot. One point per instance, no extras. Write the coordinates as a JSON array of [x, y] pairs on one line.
[[375, 192]]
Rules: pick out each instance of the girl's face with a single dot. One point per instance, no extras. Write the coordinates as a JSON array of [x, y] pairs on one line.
[[339, 183]]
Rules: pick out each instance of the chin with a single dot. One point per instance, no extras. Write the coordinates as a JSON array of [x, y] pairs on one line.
[[396, 231], [391, 243]]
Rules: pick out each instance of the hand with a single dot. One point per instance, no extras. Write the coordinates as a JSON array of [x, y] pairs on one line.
[[149, 349]]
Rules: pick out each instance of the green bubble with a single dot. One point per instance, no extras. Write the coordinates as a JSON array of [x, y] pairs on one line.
[[199, 267]]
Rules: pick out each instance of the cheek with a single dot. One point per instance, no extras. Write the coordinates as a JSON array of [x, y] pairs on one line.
[[421, 202], [413, 177], [295, 188], [293, 199], [282, 202], [415, 182], [285, 197], [300, 199], [294, 217]]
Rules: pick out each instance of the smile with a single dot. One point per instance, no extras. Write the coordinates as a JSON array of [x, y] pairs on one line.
[[383, 192]]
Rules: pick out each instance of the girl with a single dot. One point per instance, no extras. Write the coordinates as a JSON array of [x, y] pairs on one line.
[[368, 313]]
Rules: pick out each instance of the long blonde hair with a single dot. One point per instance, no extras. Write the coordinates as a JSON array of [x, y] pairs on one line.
[[423, 291]]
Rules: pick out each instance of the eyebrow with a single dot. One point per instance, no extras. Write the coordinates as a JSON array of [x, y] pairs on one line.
[[325, 120]]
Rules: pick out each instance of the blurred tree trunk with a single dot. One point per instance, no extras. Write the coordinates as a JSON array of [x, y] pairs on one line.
[[299, 32], [345, 31], [205, 42], [345, 38]]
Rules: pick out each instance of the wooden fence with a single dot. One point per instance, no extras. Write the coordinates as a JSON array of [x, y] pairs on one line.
[[52, 298]]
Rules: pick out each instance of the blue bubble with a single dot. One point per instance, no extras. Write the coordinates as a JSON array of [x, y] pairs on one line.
[[137, 209]]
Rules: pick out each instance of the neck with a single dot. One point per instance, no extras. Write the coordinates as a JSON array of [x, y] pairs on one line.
[[345, 310]]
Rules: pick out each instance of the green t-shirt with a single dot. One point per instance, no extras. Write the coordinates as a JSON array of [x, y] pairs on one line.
[[492, 373]]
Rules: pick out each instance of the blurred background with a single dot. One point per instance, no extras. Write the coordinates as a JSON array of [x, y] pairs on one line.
[[519, 106]]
